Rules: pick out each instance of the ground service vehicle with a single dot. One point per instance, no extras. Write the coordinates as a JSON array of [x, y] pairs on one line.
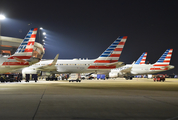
[[101, 76], [74, 77], [159, 77], [10, 78]]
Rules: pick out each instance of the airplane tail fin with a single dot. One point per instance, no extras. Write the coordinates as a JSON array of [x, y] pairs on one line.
[[25, 50], [141, 59], [165, 59], [26, 47], [113, 52]]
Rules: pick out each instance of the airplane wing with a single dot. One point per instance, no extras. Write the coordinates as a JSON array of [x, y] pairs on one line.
[[49, 67], [128, 70], [55, 60]]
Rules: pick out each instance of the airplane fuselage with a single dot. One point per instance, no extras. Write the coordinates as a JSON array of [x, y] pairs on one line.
[[103, 64], [4, 68], [140, 69], [74, 66]]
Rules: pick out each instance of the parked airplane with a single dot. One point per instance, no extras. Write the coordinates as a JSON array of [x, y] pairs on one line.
[[104, 63], [125, 70], [130, 70], [22, 57]]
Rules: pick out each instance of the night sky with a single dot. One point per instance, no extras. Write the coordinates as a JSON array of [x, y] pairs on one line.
[[85, 28]]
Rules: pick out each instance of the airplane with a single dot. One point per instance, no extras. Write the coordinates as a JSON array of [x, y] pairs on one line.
[[103, 64], [113, 72], [23, 55], [130, 70], [123, 71]]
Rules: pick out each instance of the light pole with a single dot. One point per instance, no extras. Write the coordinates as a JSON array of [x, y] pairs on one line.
[[2, 17], [44, 33], [40, 33]]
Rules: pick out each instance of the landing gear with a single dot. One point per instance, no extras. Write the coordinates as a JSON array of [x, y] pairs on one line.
[[75, 80], [128, 77]]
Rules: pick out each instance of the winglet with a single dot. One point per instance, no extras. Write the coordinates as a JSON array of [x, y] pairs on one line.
[[55, 60], [50, 66]]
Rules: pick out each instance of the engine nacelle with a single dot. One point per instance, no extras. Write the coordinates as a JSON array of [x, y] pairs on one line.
[[113, 74]]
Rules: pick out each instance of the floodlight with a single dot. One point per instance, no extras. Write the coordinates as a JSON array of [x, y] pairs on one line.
[[44, 33], [2, 17]]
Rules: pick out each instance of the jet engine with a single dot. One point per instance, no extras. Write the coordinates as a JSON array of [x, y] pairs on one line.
[[113, 74]]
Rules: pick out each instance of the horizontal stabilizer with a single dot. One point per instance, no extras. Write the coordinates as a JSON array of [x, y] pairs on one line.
[[168, 67], [20, 60], [117, 64]]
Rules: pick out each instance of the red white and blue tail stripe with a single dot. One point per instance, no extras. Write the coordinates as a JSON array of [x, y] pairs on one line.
[[142, 59], [24, 51], [28, 43], [163, 61], [113, 52], [110, 55]]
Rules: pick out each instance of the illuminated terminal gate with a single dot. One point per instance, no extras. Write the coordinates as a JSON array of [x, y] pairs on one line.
[[9, 45]]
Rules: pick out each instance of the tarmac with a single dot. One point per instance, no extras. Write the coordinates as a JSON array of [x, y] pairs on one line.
[[119, 99]]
